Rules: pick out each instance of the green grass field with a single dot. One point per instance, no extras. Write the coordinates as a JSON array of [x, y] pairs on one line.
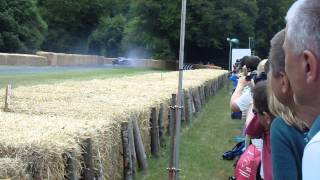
[[202, 144], [28, 79]]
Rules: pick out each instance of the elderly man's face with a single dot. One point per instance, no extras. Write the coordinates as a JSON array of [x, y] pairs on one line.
[[294, 71]]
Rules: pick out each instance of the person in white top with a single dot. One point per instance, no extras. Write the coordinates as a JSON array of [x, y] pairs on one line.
[[241, 98]]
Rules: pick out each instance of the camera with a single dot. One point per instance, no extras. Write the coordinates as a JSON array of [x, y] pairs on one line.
[[251, 75], [261, 77]]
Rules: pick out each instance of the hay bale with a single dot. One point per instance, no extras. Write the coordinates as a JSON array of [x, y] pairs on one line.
[[62, 59], [11, 168], [47, 121], [3, 58], [22, 60]]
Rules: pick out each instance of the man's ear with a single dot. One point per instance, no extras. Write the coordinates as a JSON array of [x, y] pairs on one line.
[[311, 66]]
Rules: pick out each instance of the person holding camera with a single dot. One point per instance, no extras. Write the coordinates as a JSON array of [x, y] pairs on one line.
[[241, 99]]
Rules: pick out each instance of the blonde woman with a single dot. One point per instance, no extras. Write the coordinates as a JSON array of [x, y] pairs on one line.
[[287, 133]]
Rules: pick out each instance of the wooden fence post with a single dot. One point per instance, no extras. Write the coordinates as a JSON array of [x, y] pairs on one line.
[[203, 99], [206, 94], [140, 151], [187, 107], [71, 166], [7, 98], [132, 147], [127, 159], [154, 133], [88, 172], [161, 125], [172, 114], [209, 89], [196, 100], [183, 117], [192, 103]]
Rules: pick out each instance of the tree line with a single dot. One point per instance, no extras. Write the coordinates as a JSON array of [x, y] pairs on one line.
[[145, 29]]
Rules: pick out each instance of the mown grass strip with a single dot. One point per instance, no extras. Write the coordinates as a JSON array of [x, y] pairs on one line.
[[202, 144], [54, 77]]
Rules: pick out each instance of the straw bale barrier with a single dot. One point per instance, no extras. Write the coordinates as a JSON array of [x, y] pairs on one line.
[[158, 64], [209, 66], [22, 59], [48, 125], [61, 59], [11, 168], [109, 60]]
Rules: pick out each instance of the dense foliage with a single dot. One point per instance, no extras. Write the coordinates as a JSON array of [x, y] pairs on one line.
[[137, 27], [22, 29]]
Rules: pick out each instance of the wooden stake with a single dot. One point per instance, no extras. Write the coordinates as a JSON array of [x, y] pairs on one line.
[[196, 100], [161, 125], [201, 90], [154, 134], [187, 107], [88, 172], [140, 151], [7, 98], [71, 166], [172, 114], [206, 92], [183, 117], [100, 174], [211, 88], [127, 161], [192, 102], [132, 147]]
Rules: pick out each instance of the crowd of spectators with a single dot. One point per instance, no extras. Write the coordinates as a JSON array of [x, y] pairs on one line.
[[279, 98]]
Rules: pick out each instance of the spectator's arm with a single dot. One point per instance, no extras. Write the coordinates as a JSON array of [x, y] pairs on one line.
[[236, 94], [254, 128]]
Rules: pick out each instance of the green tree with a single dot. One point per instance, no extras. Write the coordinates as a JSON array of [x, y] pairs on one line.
[[21, 27], [106, 39], [152, 29], [270, 20], [156, 26], [71, 22]]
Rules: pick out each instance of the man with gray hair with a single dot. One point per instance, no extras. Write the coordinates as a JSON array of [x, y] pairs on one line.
[[302, 65]]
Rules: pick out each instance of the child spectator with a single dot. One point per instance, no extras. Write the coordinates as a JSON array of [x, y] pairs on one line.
[[261, 110]]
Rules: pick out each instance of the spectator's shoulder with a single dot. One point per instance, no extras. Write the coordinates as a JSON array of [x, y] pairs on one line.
[[280, 129], [314, 142], [278, 124], [311, 158]]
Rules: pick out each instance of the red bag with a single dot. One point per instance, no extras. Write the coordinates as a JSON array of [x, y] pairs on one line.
[[248, 164]]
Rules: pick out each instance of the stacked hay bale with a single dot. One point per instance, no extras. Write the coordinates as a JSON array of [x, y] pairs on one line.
[[48, 122], [22, 59], [62, 59]]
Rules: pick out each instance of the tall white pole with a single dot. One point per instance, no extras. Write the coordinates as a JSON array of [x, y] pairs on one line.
[[175, 138]]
